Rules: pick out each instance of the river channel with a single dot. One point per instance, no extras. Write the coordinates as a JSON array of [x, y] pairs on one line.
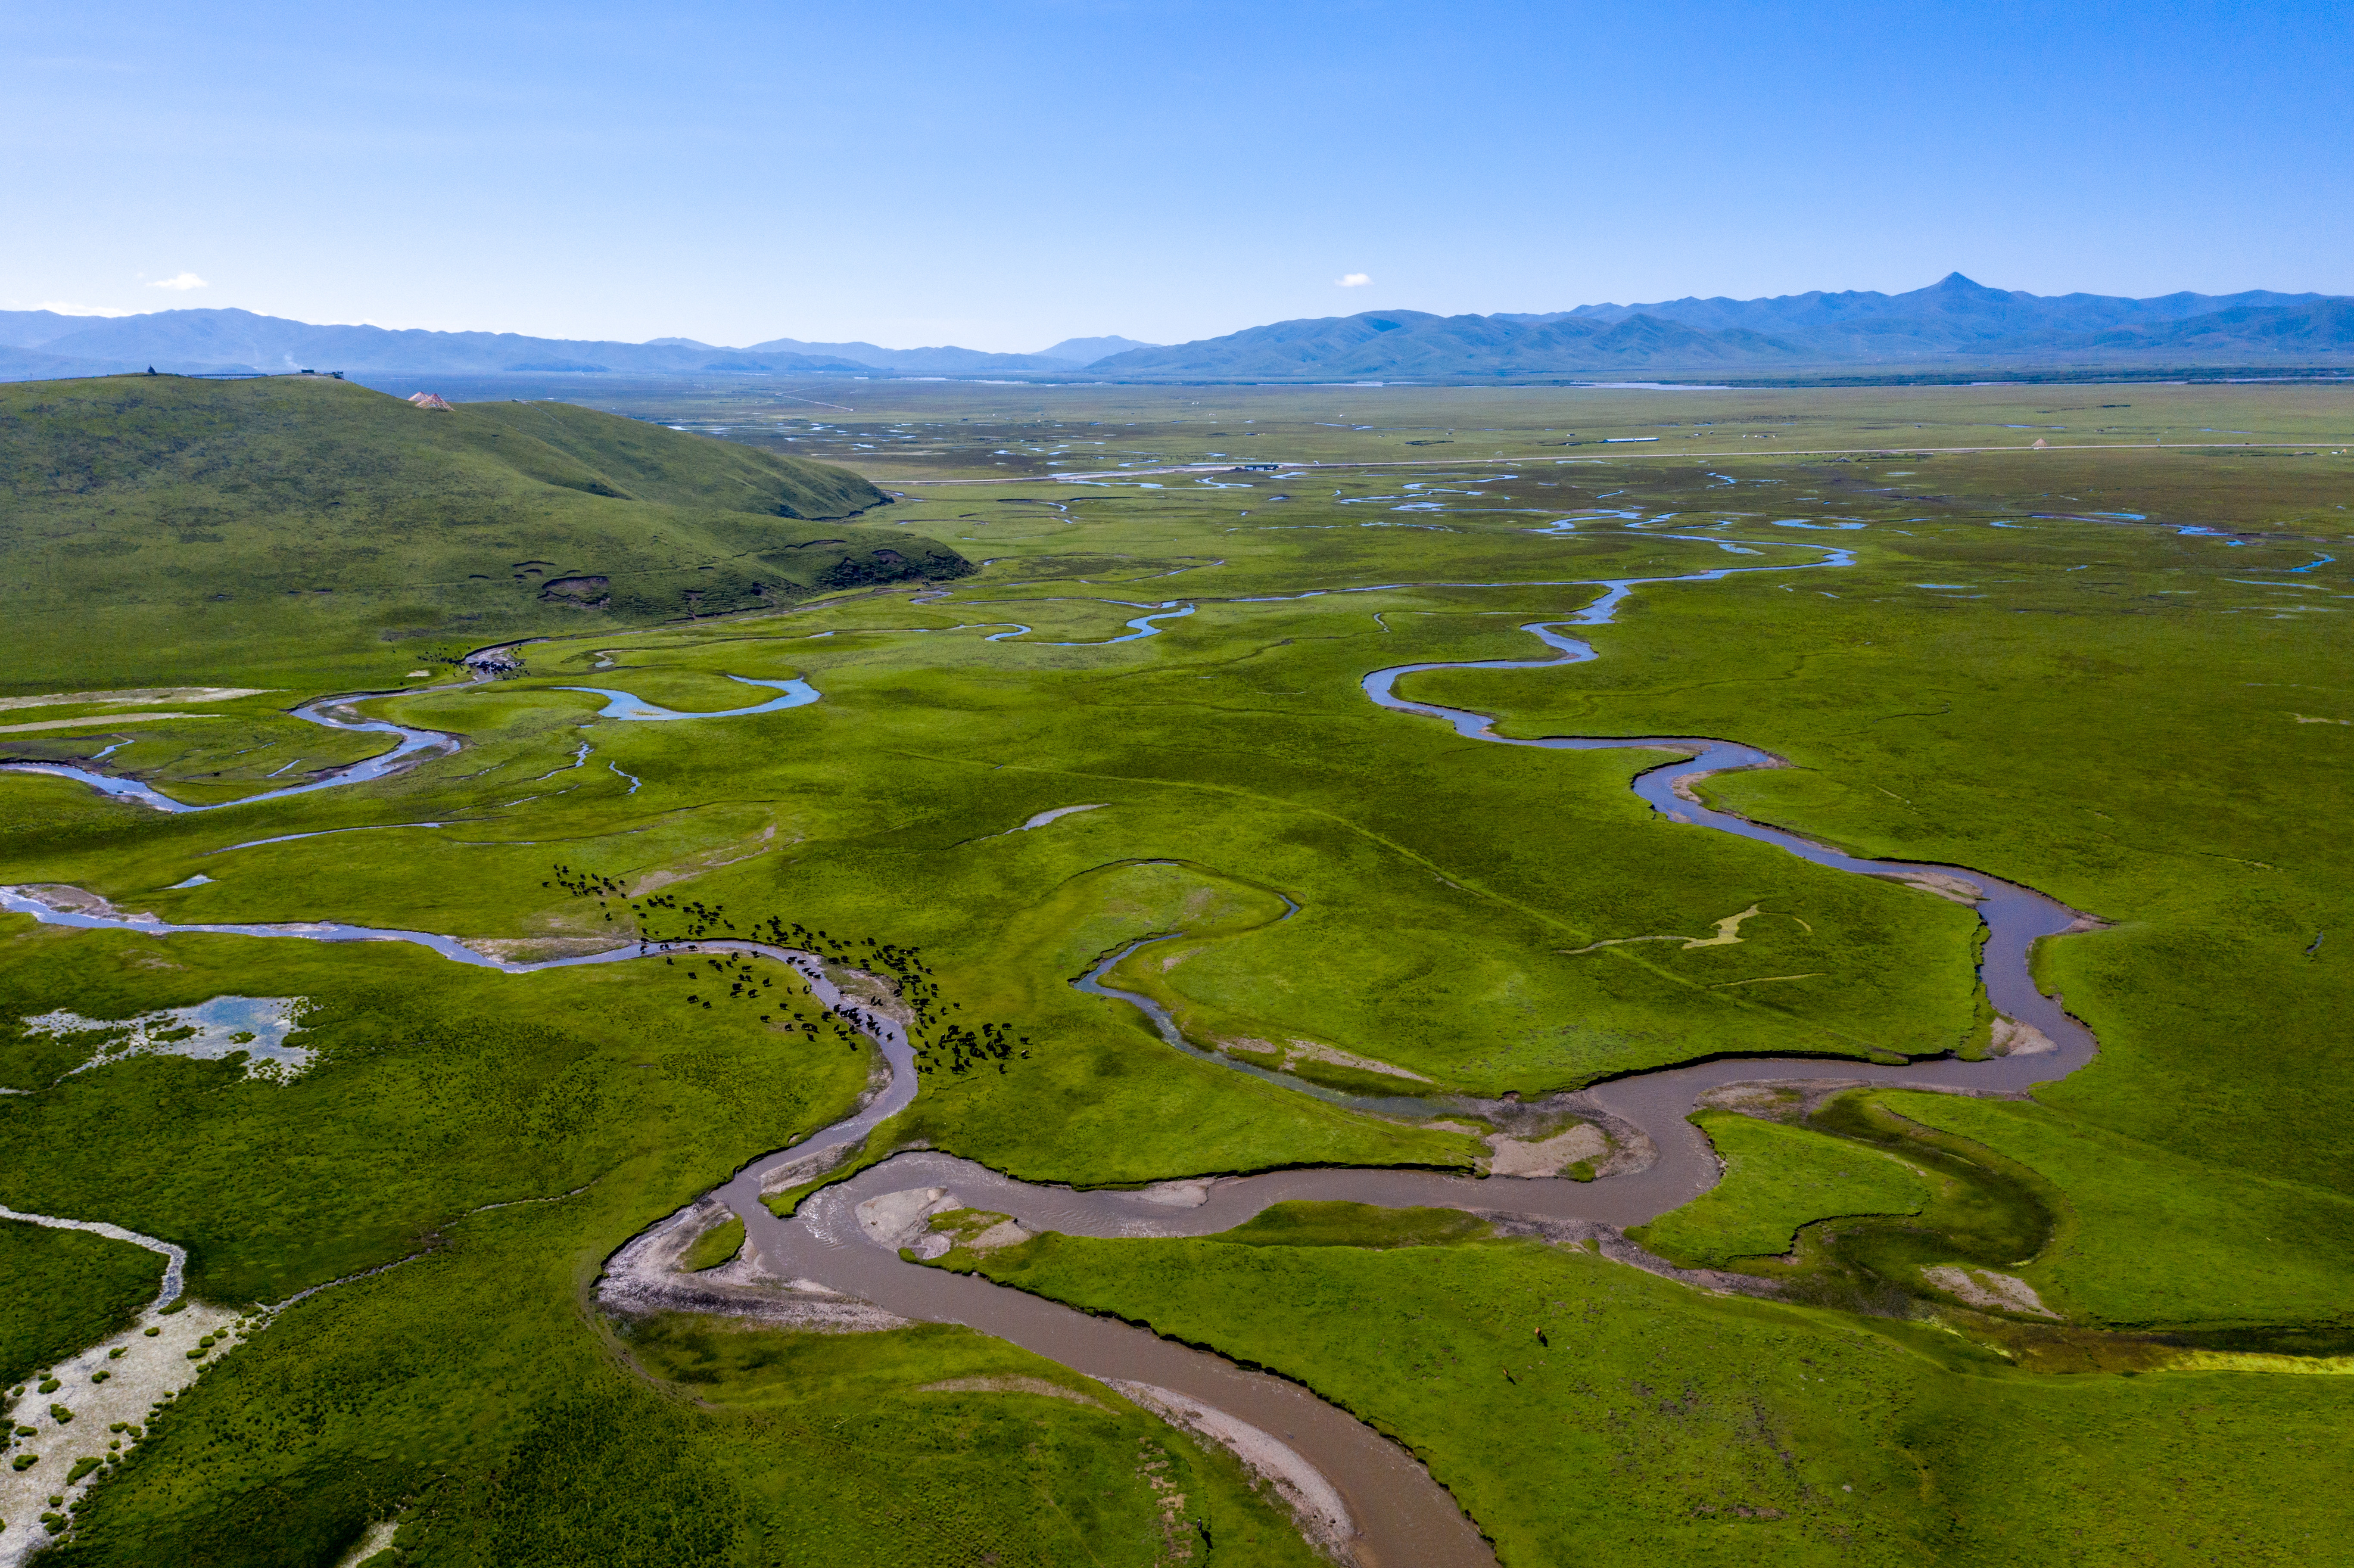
[[1393, 1514]]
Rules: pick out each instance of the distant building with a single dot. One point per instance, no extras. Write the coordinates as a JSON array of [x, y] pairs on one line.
[[431, 400]]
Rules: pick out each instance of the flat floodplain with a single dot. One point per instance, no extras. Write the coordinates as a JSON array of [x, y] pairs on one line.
[[2112, 670]]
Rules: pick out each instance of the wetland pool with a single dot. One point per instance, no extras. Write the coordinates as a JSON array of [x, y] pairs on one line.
[[1396, 1514]]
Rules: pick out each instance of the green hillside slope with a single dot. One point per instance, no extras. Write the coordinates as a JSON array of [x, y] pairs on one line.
[[162, 529]]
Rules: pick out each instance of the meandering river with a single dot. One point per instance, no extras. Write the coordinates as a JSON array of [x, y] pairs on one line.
[[1397, 1515]]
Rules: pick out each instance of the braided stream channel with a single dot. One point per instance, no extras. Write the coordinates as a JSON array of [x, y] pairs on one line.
[[1363, 1495]]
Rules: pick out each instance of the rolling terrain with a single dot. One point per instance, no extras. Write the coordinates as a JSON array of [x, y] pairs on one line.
[[2099, 1319], [153, 523]]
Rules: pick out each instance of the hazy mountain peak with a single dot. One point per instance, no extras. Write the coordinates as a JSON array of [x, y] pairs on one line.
[[1084, 351], [1956, 319]]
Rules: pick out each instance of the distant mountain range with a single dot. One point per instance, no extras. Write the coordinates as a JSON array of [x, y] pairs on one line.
[[1952, 325], [1071, 354], [1952, 322], [39, 345]]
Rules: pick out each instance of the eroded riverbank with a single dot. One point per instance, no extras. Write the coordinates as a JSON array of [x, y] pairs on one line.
[[1392, 1512]]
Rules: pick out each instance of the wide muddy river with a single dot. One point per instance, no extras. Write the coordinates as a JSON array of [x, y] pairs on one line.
[[1394, 1515]]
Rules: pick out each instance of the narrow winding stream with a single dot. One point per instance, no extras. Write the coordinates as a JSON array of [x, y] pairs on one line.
[[412, 744], [1397, 1515], [331, 712]]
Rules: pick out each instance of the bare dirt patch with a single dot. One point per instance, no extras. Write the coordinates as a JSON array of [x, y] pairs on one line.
[[533, 949], [1545, 1156], [1983, 1288], [1187, 1192], [2010, 1037], [708, 860], [97, 721], [1728, 934], [1630, 1149], [1682, 788], [136, 696], [1288, 1058], [1313, 1502], [150, 1370], [1937, 882], [1011, 1384], [1004, 1233], [871, 992], [78, 901], [902, 1220], [377, 1536], [1769, 1102], [646, 1278]]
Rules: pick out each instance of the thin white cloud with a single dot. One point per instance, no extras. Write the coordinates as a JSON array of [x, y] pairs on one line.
[[184, 283], [1353, 280], [63, 309]]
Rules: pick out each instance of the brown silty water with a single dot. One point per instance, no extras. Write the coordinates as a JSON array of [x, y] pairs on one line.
[[1396, 1515]]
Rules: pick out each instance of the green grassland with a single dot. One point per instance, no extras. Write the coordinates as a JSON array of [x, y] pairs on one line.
[[714, 1246], [279, 529], [2148, 724], [62, 1291], [1017, 1470], [884, 808], [1352, 1224], [2242, 1248], [235, 746], [492, 1139], [437, 1089], [901, 431], [483, 1140], [2137, 721], [1777, 1179], [1566, 1400], [468, 1394]]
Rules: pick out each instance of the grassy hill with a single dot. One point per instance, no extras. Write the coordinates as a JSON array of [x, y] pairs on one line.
[[159, 530]]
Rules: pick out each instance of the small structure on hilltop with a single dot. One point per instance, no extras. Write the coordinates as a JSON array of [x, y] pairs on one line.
[[431, 400]]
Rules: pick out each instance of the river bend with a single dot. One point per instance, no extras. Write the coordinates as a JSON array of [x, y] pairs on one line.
[[1397, 1515]]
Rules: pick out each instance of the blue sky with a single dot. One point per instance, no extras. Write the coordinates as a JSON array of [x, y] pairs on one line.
[[1003, 176]]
